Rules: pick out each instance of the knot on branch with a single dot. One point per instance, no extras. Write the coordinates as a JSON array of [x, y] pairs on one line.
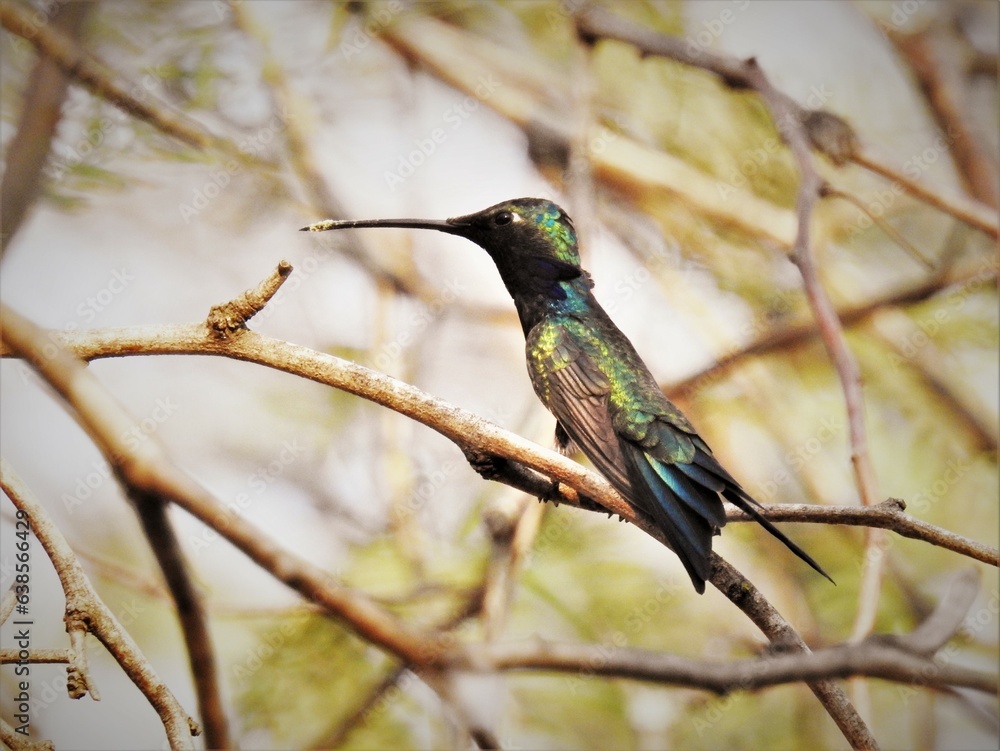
[[830, 135], [231, 317], [893, 505], [488, 466]]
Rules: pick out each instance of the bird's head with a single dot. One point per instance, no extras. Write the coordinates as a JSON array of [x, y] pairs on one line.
[[531, 240]]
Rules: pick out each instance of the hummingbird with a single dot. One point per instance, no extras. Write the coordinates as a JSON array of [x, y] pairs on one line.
[[590, 377]]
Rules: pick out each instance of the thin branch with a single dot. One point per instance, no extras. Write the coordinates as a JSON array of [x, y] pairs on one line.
[[10, 656], [935, 56], [231, 317], [894, 234], [830, 327], [28, 150], [18, 742], [151, 507], [85, 610], [80, 66], [827, 133], [886, 515], [971, 212], [792, 129], [907, 658]]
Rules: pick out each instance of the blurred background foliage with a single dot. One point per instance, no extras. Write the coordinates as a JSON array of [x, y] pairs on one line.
[[684, 196]]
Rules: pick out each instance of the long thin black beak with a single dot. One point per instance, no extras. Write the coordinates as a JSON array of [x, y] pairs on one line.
[[451, 226]]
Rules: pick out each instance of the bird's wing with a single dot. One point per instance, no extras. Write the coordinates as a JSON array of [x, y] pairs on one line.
[[578, 393]]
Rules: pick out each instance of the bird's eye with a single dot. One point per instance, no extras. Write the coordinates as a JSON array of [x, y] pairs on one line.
[[503, 217]]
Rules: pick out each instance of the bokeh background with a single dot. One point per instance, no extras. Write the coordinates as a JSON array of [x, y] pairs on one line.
[[684, 198]]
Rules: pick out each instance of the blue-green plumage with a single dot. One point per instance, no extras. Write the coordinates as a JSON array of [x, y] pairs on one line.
[[590, 377]]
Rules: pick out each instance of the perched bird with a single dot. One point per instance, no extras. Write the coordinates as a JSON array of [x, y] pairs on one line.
[[588, 374]]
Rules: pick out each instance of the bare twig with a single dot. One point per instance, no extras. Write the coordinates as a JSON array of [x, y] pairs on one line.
[[41, 656], [29, 148], [320, 197], [232, 316], [964, 209], [882, 224], [907, 658], [79, 66], [18, 742], [886, 515], [935, 56], [85, 611], [839, 143]]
